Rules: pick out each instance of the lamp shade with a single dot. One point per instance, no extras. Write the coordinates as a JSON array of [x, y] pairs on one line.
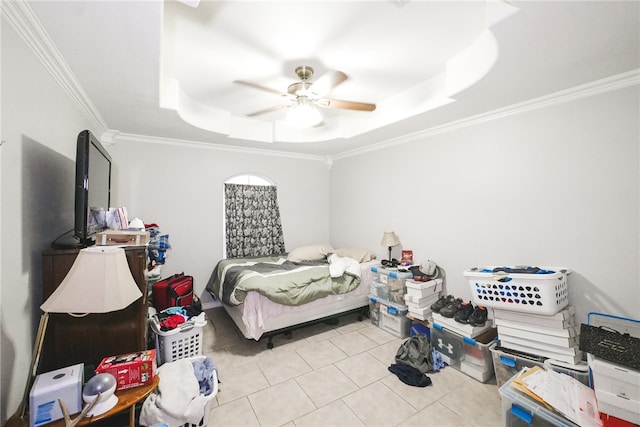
[[389, 239], [99, 281]]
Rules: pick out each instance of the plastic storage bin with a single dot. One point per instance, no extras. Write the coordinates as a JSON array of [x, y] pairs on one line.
[[579, 371], [469, 355], [529, 293], [390, 284], [520, 410], [179, 343], [389, 316], [507, 363]]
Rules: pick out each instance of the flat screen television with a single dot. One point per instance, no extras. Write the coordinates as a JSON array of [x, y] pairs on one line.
[[92, 188]]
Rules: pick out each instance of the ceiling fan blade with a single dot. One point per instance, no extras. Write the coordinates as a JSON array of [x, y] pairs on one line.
[[256, 86], [326, 82], [345, 105], [268, 110]]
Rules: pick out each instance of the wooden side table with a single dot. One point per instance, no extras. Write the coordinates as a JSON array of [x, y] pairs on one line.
[[126, 399]]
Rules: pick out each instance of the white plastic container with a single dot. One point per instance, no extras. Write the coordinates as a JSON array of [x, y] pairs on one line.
[[469, 355], [179, 343], [530, 293], [390, 316], [519, 409]]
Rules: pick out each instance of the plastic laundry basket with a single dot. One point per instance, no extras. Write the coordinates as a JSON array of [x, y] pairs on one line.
[[544, 294], [210, 397], [179, 343]]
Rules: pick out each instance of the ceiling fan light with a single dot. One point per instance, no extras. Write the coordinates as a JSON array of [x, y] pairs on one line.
[[303, 116]]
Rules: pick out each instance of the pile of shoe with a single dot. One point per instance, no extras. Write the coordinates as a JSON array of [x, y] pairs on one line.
[[461, 311]]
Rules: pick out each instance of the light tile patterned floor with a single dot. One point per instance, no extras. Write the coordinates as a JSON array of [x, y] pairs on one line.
[[334, 375]]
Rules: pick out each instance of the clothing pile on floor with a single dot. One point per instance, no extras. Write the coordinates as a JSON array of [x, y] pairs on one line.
[[183, 392]]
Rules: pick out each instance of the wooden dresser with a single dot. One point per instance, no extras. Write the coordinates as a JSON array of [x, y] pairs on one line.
[[71, 340]]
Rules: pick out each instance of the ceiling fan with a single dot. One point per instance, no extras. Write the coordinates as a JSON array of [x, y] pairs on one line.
[[306, 93]]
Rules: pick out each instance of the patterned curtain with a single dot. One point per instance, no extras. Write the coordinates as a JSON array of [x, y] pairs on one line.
[[253, 226]]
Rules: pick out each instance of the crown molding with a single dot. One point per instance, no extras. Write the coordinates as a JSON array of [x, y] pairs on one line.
[[20, 16], [115, 137], [597, 87]]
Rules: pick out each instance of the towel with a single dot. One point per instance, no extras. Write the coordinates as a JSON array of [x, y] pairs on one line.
[[177, 400]]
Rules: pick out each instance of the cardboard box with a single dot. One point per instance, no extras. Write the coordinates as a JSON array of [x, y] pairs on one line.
[[460, 328], [617, 389], [537, 337], [566, 332], [419, 301], [561, 320], [123, 237], [64, 384], [130, 370], [563, 354], [423, 289]]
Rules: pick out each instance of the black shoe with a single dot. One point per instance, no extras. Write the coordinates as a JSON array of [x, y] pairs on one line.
[[451, 308], [462, 315], [441, 303], [478, 317]]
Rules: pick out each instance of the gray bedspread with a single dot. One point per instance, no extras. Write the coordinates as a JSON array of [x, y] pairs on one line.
[[280, 280]]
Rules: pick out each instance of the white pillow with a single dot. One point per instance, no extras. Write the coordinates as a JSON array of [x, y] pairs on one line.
[[310, 253], [359, 254]]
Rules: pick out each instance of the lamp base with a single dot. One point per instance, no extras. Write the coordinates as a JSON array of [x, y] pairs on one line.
[[103, 406]]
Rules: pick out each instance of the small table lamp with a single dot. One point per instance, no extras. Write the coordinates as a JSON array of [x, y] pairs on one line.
[[390, 240], [99, 281]]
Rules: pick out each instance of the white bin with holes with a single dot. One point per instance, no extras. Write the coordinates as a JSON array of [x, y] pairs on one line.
[[179, 343], [543, 293]]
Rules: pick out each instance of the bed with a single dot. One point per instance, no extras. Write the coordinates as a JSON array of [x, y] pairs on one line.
[[265, 296]]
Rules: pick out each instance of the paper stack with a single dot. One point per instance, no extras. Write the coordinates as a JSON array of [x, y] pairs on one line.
[[554, 336], [562, 393]]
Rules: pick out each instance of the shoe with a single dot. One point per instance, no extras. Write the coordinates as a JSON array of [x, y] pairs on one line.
[[462, 315], [478, 317], [451, 308], [442, 302]]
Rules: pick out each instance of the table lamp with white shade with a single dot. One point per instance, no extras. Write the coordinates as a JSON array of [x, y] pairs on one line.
[[99, 281], [390, 239]]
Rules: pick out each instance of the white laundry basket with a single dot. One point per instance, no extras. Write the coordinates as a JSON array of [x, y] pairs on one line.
[[544, 294], [210, 397], [179, 343]]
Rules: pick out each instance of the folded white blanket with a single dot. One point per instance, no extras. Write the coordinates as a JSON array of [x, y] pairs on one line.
[[177, 400]]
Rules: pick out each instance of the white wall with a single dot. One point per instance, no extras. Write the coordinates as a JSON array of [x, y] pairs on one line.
[[39, 129], [181, 189], [552, 187]]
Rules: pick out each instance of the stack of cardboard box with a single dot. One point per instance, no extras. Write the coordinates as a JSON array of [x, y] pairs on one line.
[[420, 296], [551, 336]]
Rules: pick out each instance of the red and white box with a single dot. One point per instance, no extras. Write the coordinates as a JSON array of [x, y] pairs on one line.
[[131, 369], [407, 257]]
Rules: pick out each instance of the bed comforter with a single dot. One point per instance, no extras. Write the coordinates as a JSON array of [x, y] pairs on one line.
[[283, 281]]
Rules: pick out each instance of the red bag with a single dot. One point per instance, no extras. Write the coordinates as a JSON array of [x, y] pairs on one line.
[[174, 291]]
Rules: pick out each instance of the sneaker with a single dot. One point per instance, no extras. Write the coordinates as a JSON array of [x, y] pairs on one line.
[[441, 303], [451, 308], [462, 315], [478, 317]]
